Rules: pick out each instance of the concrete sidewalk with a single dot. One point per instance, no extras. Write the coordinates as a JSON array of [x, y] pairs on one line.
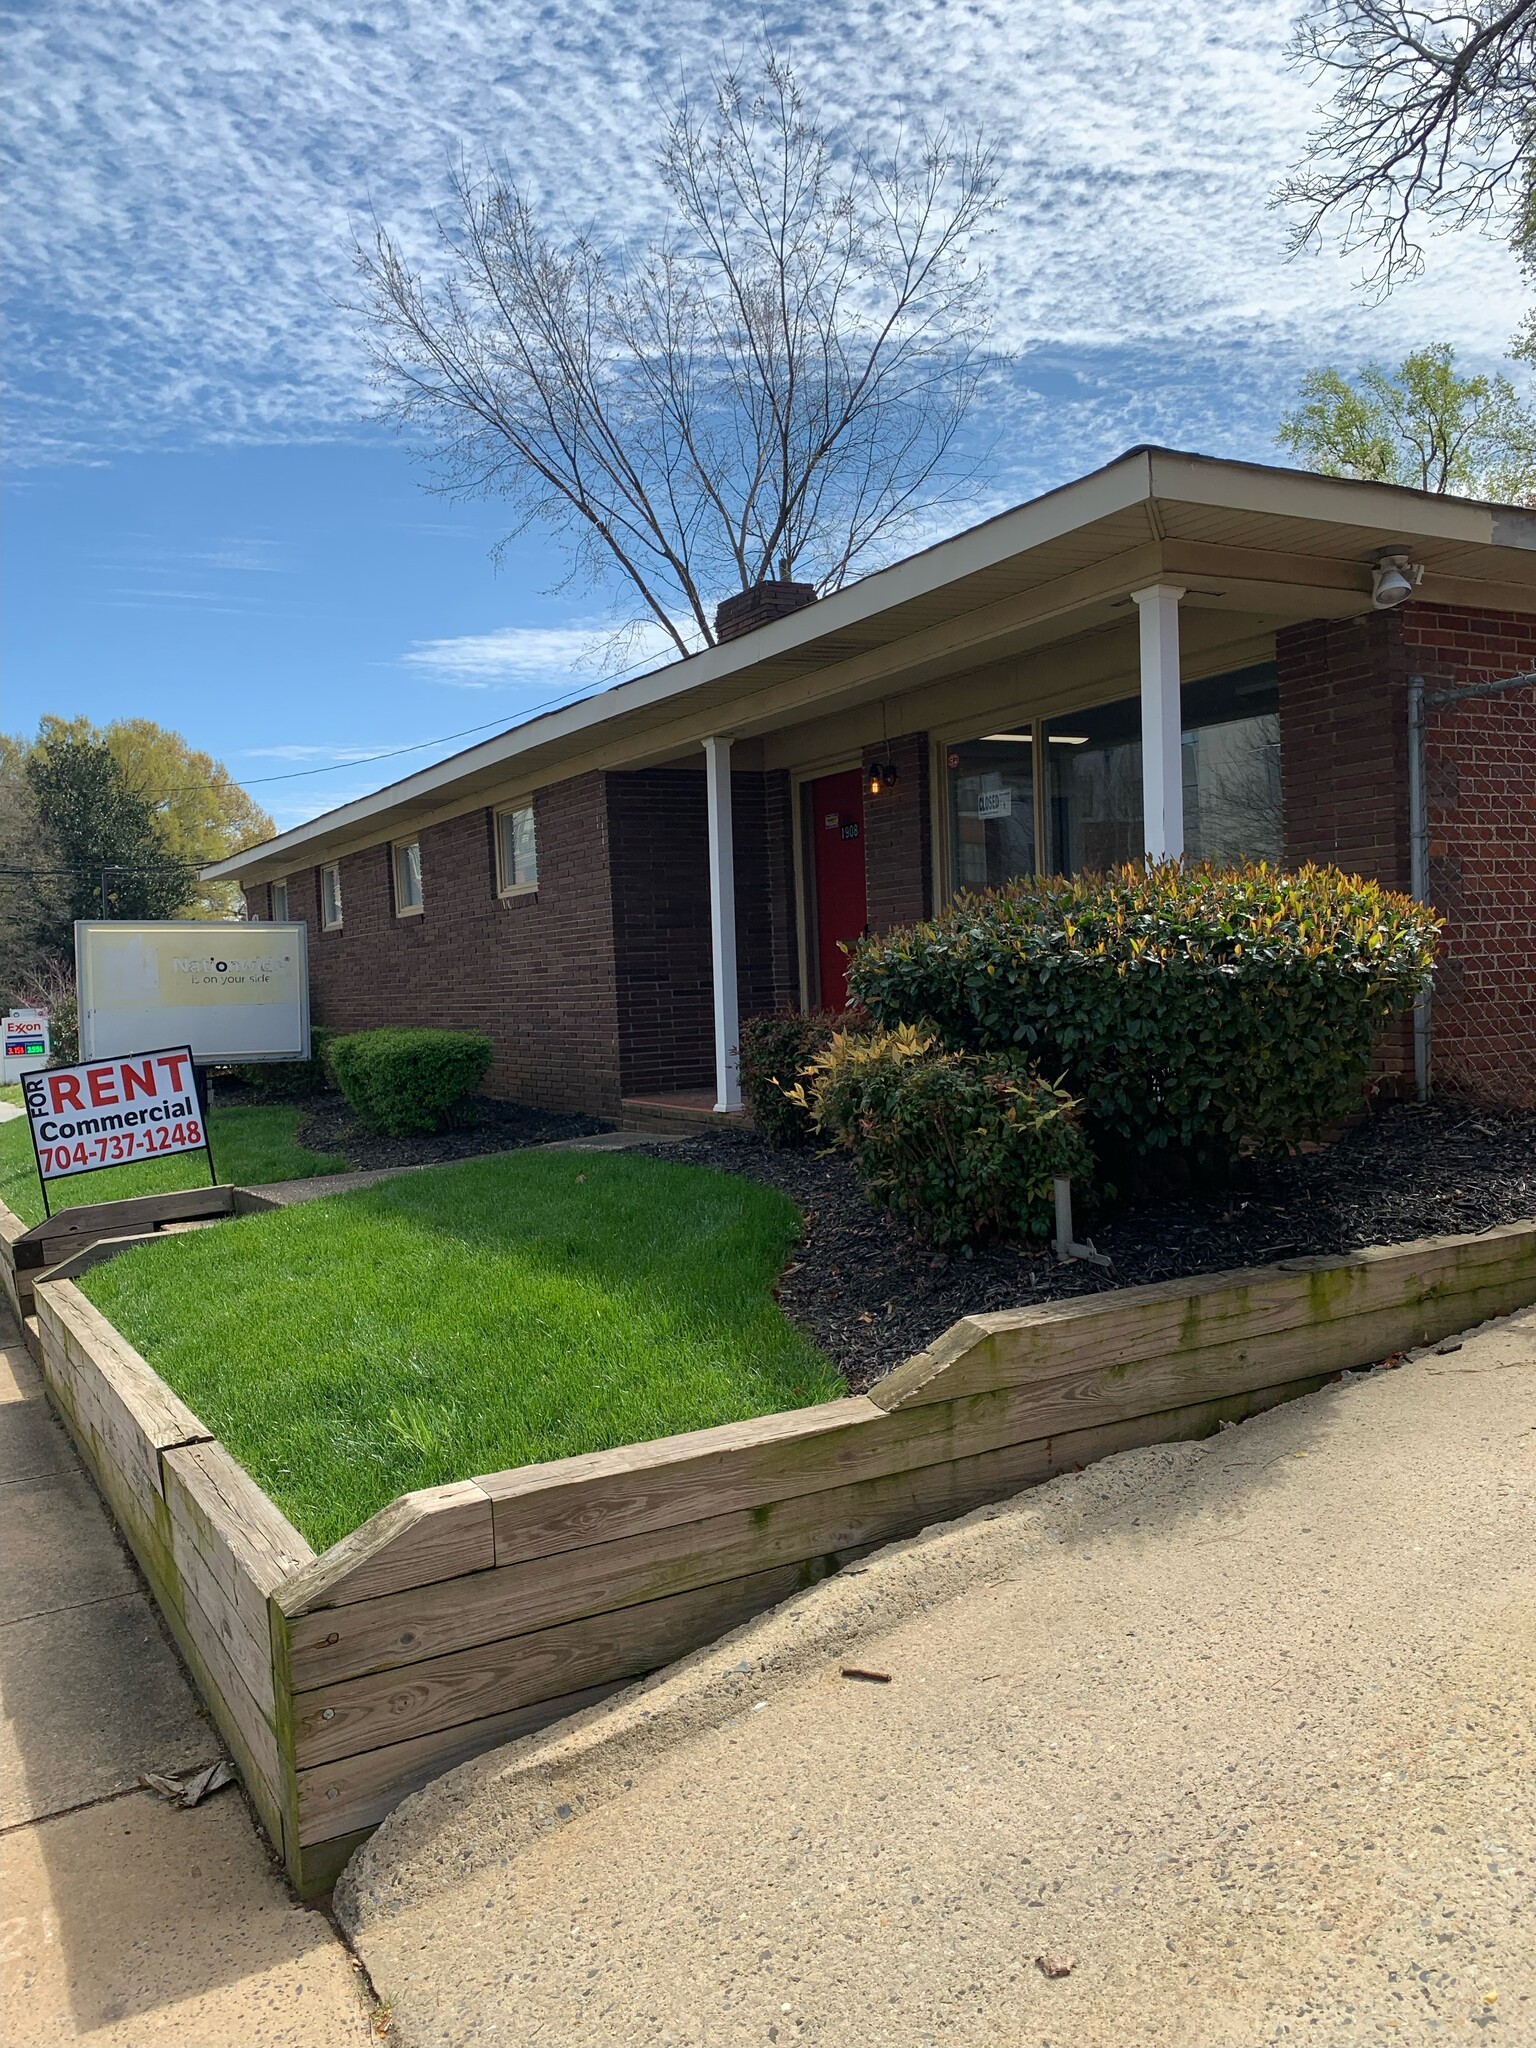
[[1237, 1737], [127, 1922]]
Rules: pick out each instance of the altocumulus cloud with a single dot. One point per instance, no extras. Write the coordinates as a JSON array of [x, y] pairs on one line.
[[185, 181]]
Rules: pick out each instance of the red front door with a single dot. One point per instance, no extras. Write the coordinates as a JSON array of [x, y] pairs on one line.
[[837, 832]]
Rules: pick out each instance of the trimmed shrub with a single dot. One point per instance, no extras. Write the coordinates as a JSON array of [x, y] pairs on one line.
[[292, 1080], [964, 1145], [1191, 1007], [403, 1078], [772, 1055]]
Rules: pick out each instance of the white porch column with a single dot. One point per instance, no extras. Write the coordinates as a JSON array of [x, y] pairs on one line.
[[722, 920], [1162, 764]]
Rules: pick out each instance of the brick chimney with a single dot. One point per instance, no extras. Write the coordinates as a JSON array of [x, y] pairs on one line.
[[768, 600]]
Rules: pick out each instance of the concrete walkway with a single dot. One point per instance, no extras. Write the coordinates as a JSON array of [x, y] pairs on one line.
[[127, 1922], [1207, 1747]]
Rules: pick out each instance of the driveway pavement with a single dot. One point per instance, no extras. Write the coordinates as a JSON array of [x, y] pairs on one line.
[[1236, 1737], [127, 1923]]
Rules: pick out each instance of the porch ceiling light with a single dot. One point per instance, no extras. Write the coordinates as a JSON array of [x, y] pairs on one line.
[[1394, 580], [881, 775]]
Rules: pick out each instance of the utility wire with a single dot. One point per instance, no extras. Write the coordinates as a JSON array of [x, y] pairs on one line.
[[416, 747]]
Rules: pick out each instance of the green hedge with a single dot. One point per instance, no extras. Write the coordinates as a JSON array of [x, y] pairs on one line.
[[773, 1053], [292, 1080], [1190, 1007], [402, 1078], [963, 1145]]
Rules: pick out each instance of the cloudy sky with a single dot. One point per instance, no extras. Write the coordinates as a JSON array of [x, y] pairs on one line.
[[205, 527]]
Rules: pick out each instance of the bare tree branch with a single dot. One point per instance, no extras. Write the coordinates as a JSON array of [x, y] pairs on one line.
[[773, 386], [1433, 119]]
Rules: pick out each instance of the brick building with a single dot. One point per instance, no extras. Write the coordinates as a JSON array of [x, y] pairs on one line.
[[1173, 654]]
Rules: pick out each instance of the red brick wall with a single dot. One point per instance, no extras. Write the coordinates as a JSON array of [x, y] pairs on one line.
[[898, 835], [658, 829], [1344, 744], [534, 973], [767, 956], [1480, 786], [1344, 761]]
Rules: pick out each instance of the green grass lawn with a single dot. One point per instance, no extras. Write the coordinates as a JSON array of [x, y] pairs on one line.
[[252, 1142], [470, 1319]]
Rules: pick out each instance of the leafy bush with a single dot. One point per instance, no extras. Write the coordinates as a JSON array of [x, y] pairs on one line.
[[403, 1078], [1190, 1007], [772, 1054], [292, 1080], [965, 1145]]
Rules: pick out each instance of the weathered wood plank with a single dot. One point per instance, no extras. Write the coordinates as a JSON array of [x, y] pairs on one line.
[[44, 1244], [357, 1791], [247, 1732], [132, 1397], [404, 1628], [437, 1533], [1185, 1317], [397, 1706], [230, 1546], [227, 1509], [96, 1253], [570, 1502]]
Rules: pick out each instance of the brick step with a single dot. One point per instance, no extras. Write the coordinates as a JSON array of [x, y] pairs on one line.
[[680, 1117]]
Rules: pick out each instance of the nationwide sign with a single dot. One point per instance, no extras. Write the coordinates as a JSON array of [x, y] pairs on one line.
[[110, 1112], [233, 992]]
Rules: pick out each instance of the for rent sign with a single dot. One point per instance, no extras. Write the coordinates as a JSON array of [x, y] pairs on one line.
[[108, 1112]]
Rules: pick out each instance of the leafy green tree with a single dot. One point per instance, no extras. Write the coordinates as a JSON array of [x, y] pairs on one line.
[[201, 813], [1422, 425], [102, 846]]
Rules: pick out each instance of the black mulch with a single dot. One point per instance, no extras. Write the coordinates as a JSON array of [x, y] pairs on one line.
[[870, 1292], [326, 1124]]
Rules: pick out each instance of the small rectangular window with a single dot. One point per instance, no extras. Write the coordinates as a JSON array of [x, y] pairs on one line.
[[517, 853], [330, 898], [279, 902], [408, 878]]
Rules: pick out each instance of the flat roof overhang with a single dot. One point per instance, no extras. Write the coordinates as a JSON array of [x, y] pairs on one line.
[[1272, 545]]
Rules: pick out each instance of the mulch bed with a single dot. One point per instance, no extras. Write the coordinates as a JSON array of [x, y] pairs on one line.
[[326, 1124], [871, 1292]]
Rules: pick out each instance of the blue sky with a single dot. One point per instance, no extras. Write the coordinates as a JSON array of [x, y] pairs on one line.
[[203, 527]]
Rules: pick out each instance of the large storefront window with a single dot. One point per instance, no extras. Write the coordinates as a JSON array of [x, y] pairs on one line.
[[992, 809], [1231, 756]]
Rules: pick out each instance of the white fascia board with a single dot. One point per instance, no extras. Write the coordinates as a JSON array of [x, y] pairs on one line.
[[1334, 501], [1121, 483]]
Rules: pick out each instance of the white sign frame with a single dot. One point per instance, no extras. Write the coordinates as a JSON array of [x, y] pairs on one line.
[[129, 973]]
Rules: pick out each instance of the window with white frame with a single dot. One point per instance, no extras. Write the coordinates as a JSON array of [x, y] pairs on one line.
[[280, 902], [517, 852], [330, 897], [407, 863]]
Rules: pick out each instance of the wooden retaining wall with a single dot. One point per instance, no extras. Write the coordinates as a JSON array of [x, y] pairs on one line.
[[464, 1615]]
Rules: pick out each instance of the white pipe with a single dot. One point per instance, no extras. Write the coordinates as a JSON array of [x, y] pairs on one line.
[[1418, 870], [1162, 763], [722, 921]]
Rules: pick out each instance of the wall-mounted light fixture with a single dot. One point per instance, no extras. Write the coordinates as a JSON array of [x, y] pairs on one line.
[[1394, 580], [881, 775]]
